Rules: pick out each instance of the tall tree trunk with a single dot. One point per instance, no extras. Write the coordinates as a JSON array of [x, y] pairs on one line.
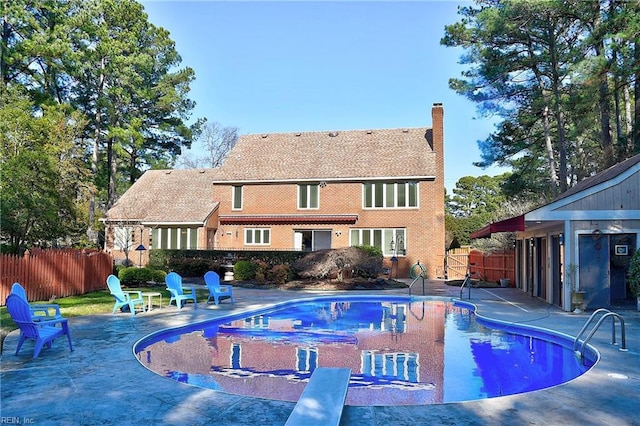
[[628, 121], [605, 110], [557, 108], [111, 161], [97, 119], [636, 99]]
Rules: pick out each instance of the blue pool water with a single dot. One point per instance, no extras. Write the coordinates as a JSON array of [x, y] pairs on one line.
[[401, 351]]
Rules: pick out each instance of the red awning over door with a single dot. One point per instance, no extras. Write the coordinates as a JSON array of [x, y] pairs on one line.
[[513, 224]]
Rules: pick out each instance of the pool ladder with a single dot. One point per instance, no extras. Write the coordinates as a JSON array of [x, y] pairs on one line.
[[607, 313]]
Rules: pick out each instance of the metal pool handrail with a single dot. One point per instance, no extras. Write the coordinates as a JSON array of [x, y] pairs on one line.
[[608, 313]]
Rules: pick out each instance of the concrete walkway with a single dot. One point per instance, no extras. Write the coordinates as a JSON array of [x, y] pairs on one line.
[[101, 382]]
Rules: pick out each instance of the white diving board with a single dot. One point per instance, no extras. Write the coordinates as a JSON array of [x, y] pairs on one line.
[[323, 398]]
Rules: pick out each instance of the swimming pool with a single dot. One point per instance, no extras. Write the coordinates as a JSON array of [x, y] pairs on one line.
[[401, 351]]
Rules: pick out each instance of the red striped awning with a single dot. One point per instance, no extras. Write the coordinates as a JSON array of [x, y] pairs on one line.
[[513, 224], [314, 219]]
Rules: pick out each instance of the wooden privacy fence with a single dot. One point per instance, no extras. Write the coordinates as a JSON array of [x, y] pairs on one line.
[[494, 266], [489, 267], [60, 273]]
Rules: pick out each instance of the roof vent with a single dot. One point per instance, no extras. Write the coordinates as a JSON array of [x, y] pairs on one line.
[[298, 134], [405, 130], [264, 135], [203, 171], [369, 132], [333, 134], [168, 172]]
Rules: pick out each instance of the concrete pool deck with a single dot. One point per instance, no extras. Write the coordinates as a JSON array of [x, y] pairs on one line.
[[101, 382]]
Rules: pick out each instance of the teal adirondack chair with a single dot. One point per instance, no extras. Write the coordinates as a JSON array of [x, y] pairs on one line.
[[39, 312], [44, 332], [217, 291], [174, 285], [124, 298]]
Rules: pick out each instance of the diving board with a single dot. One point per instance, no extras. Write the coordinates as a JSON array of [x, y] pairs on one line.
[[323, 398]]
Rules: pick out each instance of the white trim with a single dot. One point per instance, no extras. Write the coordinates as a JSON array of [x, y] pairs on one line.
[[582, 215], [350, 179]]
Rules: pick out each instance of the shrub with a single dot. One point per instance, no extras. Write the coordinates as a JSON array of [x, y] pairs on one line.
[[279, 274], [244, 270], [192, 267], [365, 262], [262, 269], [633, 274], [139, 277]]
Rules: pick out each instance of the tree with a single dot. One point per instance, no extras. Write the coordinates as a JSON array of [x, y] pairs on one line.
[[479, 196], [106, 60], [41, 185], [217, 142], [552, 71]]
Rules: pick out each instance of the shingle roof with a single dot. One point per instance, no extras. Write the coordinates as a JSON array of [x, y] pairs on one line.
[[601, 177], [168, 196], [327, 155]]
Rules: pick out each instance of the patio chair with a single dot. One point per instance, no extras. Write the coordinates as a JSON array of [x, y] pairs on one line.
[[124, 298], [44, 332], [174, 285], [40, 311], [217, 292]]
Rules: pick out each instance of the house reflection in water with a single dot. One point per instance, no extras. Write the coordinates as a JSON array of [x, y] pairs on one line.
[[394, 350]]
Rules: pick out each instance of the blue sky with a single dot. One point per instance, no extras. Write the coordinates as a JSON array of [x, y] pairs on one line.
[[267, 67]]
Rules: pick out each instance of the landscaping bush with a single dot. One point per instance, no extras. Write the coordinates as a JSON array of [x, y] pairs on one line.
[[362, 261], [262, 269], [244, 270], [279, 274], [192, 267], [139, 277]]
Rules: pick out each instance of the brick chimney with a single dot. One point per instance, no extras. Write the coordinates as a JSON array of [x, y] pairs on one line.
[[437, 141]]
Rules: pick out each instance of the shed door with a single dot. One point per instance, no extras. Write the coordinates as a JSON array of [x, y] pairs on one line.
[[594, 270]]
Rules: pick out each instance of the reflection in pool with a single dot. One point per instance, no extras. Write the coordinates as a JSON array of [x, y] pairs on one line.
[[401, 351]]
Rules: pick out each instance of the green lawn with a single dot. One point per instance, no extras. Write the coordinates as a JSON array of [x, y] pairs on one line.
[[97, 302]]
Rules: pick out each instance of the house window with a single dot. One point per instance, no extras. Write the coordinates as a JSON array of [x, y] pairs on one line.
[[174, 238], [392, 241], [237, 198], [390, 195], [308, 196], [257, 237], [122, 237]]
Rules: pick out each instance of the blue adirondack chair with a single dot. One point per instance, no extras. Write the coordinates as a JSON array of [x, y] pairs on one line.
[[174, 285], [124, 298], [41, 311], [217, 292], [44, 332]]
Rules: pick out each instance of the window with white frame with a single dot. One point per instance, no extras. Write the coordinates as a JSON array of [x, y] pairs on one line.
[[122, 237], [236, 197], [174, 238], [392, 241], [390, 195], [308, 196], [257, 236]]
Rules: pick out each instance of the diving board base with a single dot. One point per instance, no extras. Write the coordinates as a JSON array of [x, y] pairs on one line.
[[323, 398]]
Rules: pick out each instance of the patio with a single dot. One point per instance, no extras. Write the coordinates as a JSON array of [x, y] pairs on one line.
[[101, 382]]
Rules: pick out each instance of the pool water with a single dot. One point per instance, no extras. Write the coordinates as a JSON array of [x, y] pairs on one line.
[[401, 351]]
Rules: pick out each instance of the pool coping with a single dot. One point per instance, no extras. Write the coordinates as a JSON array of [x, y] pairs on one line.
[[100, 382]]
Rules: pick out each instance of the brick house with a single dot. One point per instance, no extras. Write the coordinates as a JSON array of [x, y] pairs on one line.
[[301, 191]]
